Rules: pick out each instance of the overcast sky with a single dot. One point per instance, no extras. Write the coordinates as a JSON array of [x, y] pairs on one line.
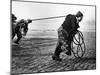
[[27, 10]]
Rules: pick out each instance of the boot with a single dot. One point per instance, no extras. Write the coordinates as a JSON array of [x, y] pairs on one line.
[[56, 58]]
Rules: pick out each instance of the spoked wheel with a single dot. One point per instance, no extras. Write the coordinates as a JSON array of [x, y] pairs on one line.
[[78, 45]]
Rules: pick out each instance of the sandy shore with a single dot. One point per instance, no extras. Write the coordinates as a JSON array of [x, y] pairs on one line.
[[33, 55]]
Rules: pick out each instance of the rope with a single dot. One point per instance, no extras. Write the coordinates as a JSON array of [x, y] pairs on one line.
[[78, 43], [47, 18]]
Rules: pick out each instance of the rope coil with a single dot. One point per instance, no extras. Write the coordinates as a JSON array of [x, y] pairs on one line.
[[79, 42]]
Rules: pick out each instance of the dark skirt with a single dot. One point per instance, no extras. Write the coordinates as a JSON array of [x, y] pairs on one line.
[[62, 38]]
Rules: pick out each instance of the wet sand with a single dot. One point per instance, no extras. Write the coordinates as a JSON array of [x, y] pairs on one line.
[[34, 55]]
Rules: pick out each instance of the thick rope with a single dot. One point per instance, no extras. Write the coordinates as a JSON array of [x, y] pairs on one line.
[[47, 18]]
